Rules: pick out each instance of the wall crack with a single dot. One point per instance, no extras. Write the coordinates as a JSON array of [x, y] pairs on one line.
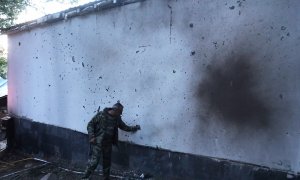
[[171, 22]]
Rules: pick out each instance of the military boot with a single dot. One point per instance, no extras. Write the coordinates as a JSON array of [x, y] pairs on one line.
[[106, 178], [106, 175], [86, 175]]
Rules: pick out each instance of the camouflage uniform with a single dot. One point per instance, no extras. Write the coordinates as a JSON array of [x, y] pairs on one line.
[[104, 128]]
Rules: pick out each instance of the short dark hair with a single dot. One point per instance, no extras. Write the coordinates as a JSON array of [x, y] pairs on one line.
[[118, 105]]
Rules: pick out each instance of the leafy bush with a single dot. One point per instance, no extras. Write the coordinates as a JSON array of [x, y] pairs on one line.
[[3, 67]]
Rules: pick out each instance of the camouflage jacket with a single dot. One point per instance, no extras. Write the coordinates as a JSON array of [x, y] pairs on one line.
[[105, 127]]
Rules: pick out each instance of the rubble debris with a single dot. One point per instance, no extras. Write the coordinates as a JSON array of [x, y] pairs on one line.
[[14, 165]]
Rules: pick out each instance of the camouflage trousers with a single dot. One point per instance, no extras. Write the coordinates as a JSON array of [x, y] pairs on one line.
[[97, 149]]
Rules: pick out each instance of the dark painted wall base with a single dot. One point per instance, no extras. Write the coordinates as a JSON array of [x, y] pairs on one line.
[[49, 141]]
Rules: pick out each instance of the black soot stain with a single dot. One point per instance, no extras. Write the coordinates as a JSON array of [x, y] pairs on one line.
[[231, 7], [229, 91]]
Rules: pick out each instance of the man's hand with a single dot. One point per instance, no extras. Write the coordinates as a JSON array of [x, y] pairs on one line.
[[137, 127], [93, 140]]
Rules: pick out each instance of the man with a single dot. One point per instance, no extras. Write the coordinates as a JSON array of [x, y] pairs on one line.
[[103, 133]]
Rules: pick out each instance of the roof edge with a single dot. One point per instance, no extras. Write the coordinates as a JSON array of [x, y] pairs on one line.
[[67, 14]]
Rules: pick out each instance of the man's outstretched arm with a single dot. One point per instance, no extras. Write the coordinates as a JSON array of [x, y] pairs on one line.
[[124, 127]]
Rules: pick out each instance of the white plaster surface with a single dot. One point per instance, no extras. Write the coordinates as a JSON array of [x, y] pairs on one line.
[[140, 54]]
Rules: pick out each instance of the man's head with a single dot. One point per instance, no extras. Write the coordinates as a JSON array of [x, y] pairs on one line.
[[118, 108]]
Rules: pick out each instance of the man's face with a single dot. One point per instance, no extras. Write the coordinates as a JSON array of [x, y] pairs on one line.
[[118, 111]]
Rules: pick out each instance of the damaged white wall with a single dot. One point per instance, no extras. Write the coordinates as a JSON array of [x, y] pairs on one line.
[[213, 78]]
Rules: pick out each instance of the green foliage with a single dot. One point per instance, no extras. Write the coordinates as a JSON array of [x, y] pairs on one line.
[[9, 10], [64, 1], [3, 67]]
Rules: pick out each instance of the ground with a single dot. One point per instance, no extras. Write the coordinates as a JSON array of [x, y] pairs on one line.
[[16, 165]]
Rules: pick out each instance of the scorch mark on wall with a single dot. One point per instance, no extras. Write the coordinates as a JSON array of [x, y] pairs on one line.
[[229, 91]]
